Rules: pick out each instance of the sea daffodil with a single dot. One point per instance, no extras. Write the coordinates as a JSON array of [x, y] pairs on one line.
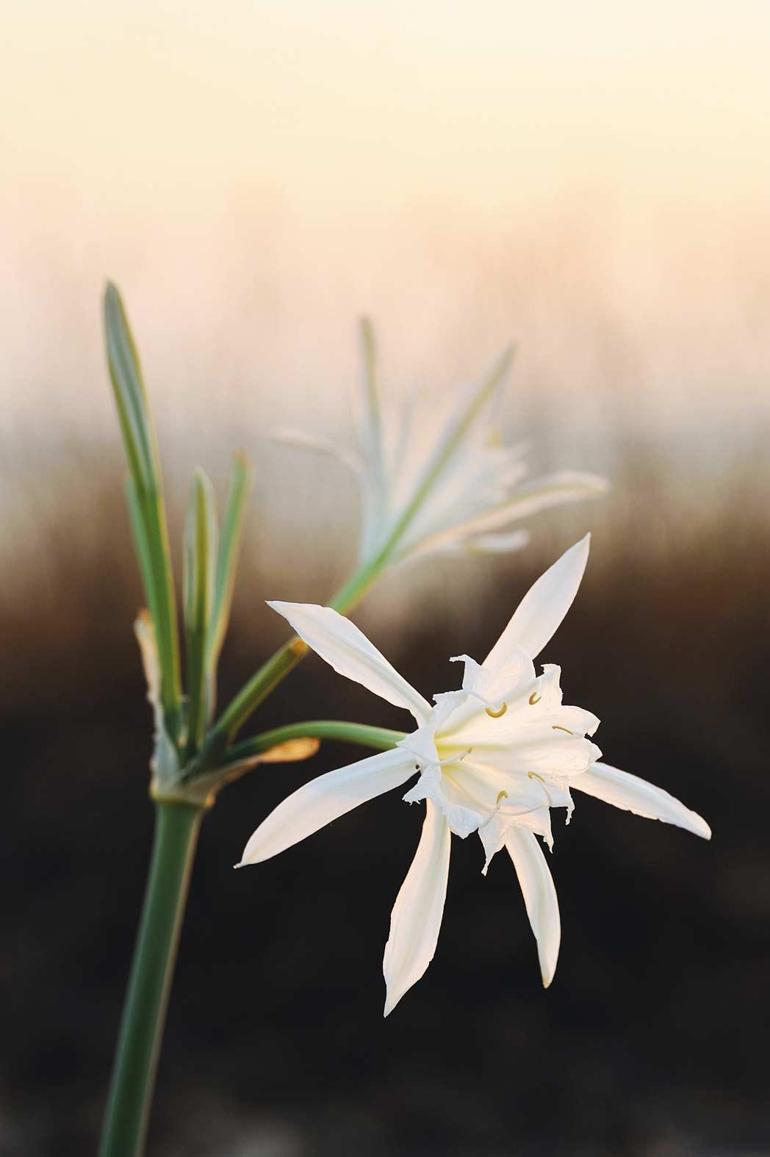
[[435, 475], [493, 757]]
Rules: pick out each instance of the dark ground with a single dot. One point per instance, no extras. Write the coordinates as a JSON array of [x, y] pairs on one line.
[[653, 1038]]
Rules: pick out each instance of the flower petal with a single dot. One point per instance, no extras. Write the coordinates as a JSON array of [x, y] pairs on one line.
[[543, 607], [416, 918], [340, 643], [636, 795], [543, 493], [319, 445], [496, 685], [479, 531], [502, 543], [539, 894], [324, 799]]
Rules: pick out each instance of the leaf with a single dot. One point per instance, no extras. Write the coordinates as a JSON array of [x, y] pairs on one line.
[[204, 788], [164, 763], [146, 506], [200, 546], [227, 560]]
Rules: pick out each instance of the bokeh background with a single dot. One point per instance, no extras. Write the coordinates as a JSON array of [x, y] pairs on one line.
[[590, 180]]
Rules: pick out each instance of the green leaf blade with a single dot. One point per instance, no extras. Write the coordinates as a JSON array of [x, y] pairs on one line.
[[199, 577], [146, 505], [227, 558]]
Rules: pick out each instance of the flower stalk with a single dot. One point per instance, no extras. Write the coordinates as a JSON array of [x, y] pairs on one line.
[[264, 681], [136, 1059], [340, 731]]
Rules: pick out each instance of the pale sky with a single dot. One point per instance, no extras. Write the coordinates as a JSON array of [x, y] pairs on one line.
[[365, 103], [590, 179]]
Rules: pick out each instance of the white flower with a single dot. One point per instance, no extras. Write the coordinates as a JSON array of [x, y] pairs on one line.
[[493, 758], [435, 476]]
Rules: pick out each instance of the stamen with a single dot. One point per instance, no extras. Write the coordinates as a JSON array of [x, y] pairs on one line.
[[501, 795], [420, 763], [534, 698], [455, 758], [541, 781], [556, 727], [497, 712]]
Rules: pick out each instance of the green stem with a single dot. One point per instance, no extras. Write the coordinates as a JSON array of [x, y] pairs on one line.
[[380, 738], [278, 666], [176, 834]]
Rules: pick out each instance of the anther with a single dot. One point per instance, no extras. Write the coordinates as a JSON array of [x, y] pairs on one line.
[[556, 727], [534, 698], [497, 712]]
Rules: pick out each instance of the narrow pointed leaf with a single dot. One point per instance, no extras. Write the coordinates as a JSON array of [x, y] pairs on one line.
[[141, 546], [164, 763], [146, 500], [227, 559], [199, 556]]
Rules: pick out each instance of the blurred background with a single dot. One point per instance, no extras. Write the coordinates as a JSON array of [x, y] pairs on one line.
[[589, 180]]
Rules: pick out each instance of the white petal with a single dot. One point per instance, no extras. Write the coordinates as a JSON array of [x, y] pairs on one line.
[[461, 813], [495, 686], [324, 799], [478, 532], [543, 493], [503, 543], [539, 894], [493, 833], [340, 643], [636, 795], [543, 607], [319, 445], [416, 918], [456, 541]]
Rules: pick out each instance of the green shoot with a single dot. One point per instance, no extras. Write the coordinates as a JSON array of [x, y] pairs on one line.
[[146, 505]]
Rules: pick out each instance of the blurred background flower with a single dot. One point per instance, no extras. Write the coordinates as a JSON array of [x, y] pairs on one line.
[[434, 476], [590, 181]]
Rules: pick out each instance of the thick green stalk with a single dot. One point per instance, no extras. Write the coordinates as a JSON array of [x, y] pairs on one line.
[[380, 738], [144, 1014]]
